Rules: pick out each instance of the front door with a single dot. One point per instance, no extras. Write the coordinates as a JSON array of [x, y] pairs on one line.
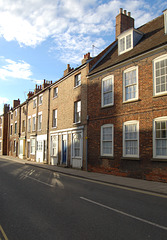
[[64, 149]]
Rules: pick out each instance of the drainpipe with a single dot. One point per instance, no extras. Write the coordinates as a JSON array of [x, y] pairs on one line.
[[47, 155]]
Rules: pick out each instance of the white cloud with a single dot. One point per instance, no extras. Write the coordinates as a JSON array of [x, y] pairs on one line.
[[73, 24], [12, 69]]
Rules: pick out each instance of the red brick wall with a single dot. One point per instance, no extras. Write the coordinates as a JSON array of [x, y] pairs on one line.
[[144, 110]]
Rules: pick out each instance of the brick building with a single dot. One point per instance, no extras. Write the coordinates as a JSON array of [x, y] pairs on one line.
[[14, 129], [37, 122], [3, 130], [68, 117], [127, 98]]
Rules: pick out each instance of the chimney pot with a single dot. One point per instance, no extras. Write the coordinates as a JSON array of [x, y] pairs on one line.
[[129, 14], [125, 12], [120, 10]]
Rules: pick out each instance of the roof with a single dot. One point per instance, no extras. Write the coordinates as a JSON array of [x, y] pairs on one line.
[[153, 37]]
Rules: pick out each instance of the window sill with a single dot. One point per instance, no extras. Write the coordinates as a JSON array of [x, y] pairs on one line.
[[131, 158], [108, 157], [77, 86], [131, 101], [159, 159], [55, 97], [107, 106], [160, 95], [77, 123]]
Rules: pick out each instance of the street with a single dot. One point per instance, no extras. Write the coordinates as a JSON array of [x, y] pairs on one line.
[[40, 204]]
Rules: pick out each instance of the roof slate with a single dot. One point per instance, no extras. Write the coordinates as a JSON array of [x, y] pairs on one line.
[[153, 37]]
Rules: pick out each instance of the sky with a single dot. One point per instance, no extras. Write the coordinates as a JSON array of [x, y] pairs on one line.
[[38, 38]]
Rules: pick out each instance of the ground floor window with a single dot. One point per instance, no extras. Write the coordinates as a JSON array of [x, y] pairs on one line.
[[107, 140], [160, 137], [32, 145], [39, 145], [21, 146], [54, 145], [0, 146], [131, 139], [76, 144]]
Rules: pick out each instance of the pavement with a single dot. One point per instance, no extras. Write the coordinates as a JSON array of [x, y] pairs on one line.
[[151, 187]]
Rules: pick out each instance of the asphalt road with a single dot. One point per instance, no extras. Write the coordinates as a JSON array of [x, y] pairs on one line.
[[40, 204]]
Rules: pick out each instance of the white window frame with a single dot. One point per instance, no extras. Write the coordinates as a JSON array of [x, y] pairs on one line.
[[29, 123], [15, 127], [34, 122], [111, 140], [32, 146], [40, 99], [155, 155], [54, 118], [39, 122], [124, 37], [74, 146], [16, 113], [133, 122], [77, 111], [124, 84], [54, 145], [110, 77], [77, 80], [55, 92], [34, 102], [156, 60], [39, 145]]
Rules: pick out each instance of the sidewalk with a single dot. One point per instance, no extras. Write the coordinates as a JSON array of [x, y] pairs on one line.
[[138, 184]]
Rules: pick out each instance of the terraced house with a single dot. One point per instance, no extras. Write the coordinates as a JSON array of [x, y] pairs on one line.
[[4, 130], [127, 98]]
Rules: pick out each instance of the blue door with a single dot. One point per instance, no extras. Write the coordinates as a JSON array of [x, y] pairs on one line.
[[64, 151]]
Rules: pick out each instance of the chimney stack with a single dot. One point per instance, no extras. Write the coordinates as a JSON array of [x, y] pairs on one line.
[[30, 94], [69, 69], [86, 57], [45, 84], [16, 103], [124, 21]]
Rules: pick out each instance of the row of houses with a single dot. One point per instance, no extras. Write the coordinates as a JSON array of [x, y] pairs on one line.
[[109, 114]]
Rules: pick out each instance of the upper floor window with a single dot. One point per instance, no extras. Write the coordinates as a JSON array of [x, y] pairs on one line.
[[77, 80], [0, 120], [11, 116], [40, 99], [125, 43], [131, 139], [160, 75], [54, 124], [23, 125], [107, 132], [15, 128], [39, 121], [33, 123], [34, 103], [29, 124], [77, 111], [130, 84], [0, 131], [55, 92], [16, 113], [11, 129], [108, 91], [160, 137]]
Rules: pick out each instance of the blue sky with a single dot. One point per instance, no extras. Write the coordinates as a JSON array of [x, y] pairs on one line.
[[38, 38]]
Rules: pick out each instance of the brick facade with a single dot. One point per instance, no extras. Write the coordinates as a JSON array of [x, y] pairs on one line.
[[143, 110]]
